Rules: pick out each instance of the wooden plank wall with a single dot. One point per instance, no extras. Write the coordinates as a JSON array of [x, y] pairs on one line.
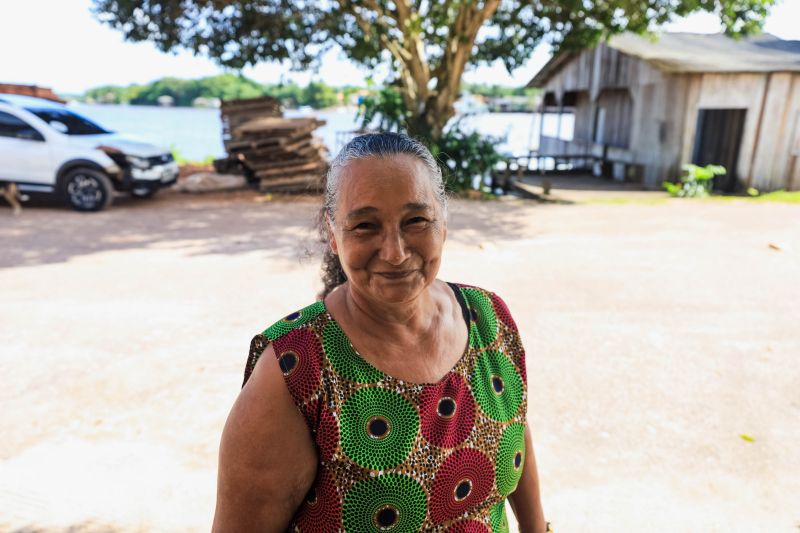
[[772, 101], [641, 122], [619, 113], [774, 151], [657, 120]]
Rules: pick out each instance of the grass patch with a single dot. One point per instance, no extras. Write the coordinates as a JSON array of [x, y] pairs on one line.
[[472, 194], [182, 160], [624, 201], [784, 197]]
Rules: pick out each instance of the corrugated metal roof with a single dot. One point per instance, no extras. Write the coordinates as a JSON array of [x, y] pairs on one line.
[[695, 52]]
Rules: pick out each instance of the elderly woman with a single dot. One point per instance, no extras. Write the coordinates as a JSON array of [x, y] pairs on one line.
[[395, 403]]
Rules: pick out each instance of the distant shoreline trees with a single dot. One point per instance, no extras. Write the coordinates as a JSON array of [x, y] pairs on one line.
[[203, 92]]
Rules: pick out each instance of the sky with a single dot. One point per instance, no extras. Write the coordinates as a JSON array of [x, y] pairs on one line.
[[59, 44]]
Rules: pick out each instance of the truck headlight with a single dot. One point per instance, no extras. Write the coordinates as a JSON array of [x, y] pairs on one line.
[[138, 162]]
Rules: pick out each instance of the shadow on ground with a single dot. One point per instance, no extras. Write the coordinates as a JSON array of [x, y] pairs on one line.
[[581, 182], [215, 223], [230, 223]]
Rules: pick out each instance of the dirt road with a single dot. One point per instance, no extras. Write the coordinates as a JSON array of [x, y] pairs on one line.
[[657, 337]]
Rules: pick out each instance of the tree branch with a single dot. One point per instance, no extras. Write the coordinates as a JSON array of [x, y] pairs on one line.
[[456, 54], [417, 62]]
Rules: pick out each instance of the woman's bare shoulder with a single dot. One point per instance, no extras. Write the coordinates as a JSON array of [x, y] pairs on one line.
[[267, 460]]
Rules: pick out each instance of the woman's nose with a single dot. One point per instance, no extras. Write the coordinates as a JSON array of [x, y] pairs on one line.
[[393, 248]]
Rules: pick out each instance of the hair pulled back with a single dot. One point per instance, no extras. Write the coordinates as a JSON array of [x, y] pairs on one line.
[[383, 144]]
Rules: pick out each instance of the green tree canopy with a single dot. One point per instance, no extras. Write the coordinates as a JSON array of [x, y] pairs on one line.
[[429, 44], [225, 87]]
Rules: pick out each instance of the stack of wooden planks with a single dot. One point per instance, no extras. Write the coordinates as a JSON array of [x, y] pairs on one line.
[[31, 90], [281, 154]]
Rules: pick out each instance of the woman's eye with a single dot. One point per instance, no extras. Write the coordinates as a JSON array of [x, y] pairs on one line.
[[364, 226], [417, 220]]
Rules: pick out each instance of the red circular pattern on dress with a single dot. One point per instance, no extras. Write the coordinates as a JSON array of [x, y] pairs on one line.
[[323, 513], [327, 435], [467, 463], [327, 429], [304, 378], [468, 526], [502, 312], [451, 431]]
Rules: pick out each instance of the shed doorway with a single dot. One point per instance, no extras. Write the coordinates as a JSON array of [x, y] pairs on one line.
[[717, 142]]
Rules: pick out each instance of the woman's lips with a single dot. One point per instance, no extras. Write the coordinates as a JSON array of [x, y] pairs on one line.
[[400, 274]]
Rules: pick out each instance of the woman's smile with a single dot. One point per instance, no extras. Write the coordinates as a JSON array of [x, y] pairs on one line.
[[396, 274]]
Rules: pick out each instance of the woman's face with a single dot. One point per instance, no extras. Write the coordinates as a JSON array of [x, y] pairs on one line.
[[389, 227]]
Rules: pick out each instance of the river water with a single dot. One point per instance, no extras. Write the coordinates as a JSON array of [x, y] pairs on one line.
[[196, 133]]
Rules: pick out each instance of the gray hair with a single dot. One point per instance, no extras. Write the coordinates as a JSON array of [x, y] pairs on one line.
[[383, 144], [362, 147]]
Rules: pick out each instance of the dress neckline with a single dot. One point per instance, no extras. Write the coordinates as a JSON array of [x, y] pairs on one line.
[[465, 313]]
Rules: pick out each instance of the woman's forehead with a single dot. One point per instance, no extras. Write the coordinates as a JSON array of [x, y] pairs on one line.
[[394, 180]]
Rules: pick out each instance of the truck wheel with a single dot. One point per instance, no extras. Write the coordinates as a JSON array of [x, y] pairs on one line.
[[88, 189]]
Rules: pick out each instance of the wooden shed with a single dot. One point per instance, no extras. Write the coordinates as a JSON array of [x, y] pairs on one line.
[[648, 105]]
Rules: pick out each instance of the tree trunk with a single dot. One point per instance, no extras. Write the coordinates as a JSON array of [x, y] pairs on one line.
[[429, 109], [433, 109]]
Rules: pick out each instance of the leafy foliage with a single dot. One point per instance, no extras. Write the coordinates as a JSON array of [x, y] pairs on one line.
[[466, 157], [696, 183], [225, 87], [384, 110], [428, 45]]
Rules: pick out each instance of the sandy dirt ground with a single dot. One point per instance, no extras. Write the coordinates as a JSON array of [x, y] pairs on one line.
[[657, 335]]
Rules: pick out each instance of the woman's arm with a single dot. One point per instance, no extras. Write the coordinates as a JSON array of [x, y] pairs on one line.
[[525, 500], [267, 460]]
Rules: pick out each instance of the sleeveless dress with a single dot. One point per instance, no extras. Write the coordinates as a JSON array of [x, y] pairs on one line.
[[399, 456]]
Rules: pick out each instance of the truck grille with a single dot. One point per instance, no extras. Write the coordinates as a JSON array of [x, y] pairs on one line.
[[160, 159]]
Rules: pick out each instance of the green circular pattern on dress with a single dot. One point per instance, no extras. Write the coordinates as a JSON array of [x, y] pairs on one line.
[[400, 495], [344, 358], [503, 405], [391, 414], [498, 518], [295, 320], [508, 469], [483, 323]]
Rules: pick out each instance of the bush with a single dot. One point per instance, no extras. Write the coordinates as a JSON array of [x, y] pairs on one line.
[[384, 110], [466, 158], [696, 183]]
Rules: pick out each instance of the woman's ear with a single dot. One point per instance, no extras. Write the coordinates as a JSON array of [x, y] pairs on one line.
[[331, 235]]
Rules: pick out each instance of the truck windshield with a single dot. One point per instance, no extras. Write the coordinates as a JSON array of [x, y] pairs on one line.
[[67, 121]]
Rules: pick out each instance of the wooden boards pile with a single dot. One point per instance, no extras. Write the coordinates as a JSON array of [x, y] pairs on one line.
[[281, 154], [237, 112]]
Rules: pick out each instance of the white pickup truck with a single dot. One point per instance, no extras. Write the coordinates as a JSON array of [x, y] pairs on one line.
[[47, 148]]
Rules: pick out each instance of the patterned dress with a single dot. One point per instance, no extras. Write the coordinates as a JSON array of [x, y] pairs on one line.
[[400, 456]]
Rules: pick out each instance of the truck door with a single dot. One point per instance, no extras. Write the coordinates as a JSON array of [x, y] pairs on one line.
[[24, 154]]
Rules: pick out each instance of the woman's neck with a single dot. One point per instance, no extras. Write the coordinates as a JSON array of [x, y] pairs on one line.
[[411, 317]]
